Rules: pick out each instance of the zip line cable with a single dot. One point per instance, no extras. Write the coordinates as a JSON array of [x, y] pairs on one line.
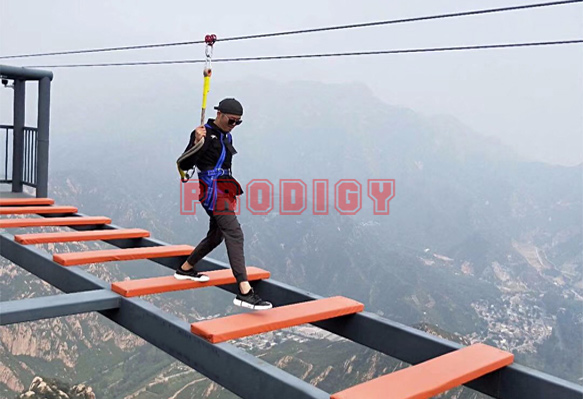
[[314, 30], [298, 56]]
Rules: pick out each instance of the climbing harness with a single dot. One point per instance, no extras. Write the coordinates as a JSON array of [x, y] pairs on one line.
[[210, 40], [209, 177]]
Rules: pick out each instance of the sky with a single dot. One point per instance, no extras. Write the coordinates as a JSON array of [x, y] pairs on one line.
[[529, 98]]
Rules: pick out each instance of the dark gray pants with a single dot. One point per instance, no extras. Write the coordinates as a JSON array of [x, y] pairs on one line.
[[223, 225]]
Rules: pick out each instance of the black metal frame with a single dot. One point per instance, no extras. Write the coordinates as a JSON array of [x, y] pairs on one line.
[[248, 376]]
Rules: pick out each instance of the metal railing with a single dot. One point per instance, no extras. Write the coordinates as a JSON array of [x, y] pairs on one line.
[[29, 158], [7, 144]]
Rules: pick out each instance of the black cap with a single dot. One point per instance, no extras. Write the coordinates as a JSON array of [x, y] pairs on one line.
[[230, 106]]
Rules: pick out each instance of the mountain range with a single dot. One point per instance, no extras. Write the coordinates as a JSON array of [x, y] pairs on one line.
[[479, 246]]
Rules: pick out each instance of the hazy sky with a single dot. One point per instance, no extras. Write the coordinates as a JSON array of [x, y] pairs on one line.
[[530, 98]]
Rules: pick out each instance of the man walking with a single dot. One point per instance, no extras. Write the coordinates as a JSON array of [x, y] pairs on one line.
[[210, 149]]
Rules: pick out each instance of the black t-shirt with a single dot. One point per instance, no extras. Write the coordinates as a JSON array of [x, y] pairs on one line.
[[210, 152]]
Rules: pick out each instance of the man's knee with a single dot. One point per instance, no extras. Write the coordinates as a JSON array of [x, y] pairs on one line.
[[237, 235], [230, 227], [234, 232], [216, 240]]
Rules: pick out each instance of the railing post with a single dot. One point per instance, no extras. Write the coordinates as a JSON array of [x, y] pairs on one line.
[[44, 108], [18, 135]]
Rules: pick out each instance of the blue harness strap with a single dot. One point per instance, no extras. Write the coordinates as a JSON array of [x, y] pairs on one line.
[[209, 177]]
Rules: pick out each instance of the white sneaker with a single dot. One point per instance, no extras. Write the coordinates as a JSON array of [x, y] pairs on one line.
[[251, 301], [190, 275]]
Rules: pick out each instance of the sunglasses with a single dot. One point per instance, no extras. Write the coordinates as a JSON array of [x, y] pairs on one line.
[[234, 122]]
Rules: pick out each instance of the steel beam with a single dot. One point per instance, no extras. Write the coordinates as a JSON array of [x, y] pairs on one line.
[[18, 135], [391, 338], [11, 72], [42, 151], [56, 306]]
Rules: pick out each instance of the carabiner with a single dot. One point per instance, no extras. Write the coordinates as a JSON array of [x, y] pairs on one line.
[[210, 40]]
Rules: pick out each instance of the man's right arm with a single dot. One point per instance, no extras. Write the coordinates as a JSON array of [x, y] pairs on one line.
[[193, 150], [199, 133]]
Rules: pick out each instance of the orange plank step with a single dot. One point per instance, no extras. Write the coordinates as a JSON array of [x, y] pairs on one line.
[[26, 201], [57, 221], [14, 210], [157, 285], [245, 324], [42, 238], [108, 255], [432, 377]]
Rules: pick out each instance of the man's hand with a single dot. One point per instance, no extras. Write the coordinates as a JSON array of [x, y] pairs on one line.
[[199, 133]]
